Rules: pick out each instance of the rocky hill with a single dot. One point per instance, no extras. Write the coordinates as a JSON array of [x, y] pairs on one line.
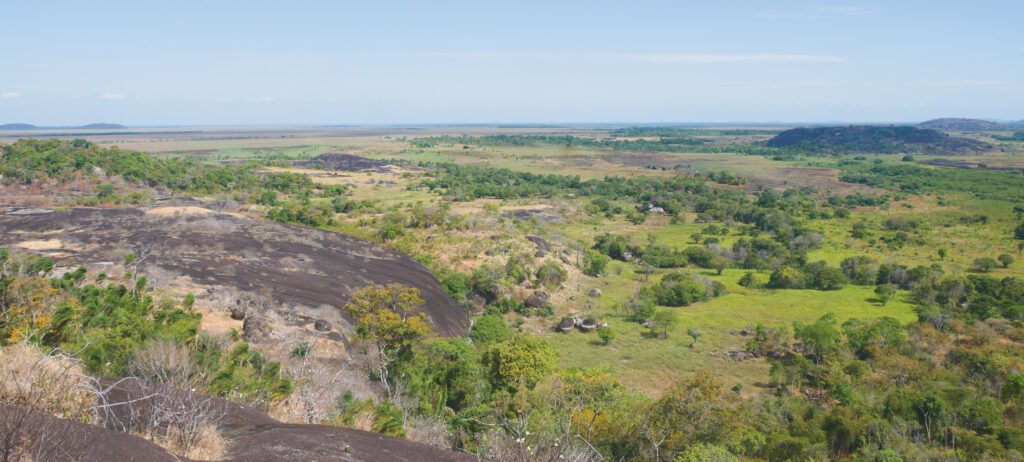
[[960, 124], [874, 139]]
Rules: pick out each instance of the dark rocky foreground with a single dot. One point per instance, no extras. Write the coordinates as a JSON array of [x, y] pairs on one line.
[[293, 265], [251, 436]]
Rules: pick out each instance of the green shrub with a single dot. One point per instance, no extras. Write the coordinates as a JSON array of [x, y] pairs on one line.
[[490, 328]]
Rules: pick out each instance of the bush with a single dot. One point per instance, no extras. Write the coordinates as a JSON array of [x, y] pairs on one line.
[[387, 420], [521, 361], [678, 291], [749, 281], [640, 309], [829, 279], [860, 270], [551, 275], [595, 264], [885, 292], [706, 453], [786, 277], [606, 334], [1018, 232], [984, 265], [490, 328], [1006, 260]]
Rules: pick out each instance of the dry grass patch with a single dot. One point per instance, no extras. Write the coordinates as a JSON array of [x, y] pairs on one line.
[[49, 383]]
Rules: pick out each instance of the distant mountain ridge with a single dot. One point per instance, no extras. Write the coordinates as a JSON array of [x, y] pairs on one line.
[[17, 126], [874, 139], [92, 126], [961, 124], [102, 126]]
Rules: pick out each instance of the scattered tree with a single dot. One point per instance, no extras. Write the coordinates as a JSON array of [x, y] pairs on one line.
[[695, 334], [606, 334], [885, 292], [662, 322], [1006, 259]]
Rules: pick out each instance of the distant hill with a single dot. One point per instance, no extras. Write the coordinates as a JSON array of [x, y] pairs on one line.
[[103, 126], [18, 127], [874, 139], [95, 126], [960, 124]]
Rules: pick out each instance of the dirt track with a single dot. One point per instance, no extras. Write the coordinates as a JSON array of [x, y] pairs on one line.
[[295, 265]]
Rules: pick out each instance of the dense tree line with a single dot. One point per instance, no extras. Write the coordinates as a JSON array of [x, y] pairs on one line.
[[910, 178], [632, 132], [673, 143]]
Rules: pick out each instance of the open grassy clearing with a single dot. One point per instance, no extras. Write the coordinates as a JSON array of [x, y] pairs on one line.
[[651, 364]]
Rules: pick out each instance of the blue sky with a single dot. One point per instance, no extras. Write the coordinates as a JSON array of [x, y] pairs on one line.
[[218, 62]]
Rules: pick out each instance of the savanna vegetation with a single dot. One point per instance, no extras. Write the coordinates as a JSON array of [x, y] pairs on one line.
[[673, 315]]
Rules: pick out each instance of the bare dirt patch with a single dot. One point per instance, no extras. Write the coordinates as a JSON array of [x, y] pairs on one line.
[[41, 245], [183, 210]]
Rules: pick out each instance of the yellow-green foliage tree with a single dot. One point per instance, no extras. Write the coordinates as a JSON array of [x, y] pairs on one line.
[[390, 319], [521, 361]]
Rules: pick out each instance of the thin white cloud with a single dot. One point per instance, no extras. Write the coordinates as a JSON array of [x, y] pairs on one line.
[[657, 58], [9, 95], [113, 96]]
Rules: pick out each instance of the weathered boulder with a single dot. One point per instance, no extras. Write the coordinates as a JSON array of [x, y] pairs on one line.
[[538, 299], [256, 328]]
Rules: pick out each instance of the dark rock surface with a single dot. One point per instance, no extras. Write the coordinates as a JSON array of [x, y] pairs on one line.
[[251, 435], [294, 265], [342, 162]]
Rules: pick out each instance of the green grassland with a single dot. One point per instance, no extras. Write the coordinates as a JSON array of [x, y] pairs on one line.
[[649, 364]]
